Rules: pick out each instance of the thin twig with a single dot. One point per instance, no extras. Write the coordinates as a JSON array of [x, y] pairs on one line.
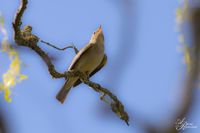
[[61, 49], [25, 38]]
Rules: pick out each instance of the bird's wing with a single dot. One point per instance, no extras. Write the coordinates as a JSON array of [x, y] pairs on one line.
[[102, 64], [79, 55]]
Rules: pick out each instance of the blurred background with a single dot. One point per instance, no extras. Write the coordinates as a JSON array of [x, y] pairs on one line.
[[145, 68]]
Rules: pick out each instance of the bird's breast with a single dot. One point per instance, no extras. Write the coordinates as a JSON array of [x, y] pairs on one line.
[[90, 59]]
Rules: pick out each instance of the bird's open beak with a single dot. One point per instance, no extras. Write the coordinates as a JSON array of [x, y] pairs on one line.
[[99, 30]]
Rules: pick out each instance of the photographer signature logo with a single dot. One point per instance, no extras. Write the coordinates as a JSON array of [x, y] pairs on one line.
[[182, 124]]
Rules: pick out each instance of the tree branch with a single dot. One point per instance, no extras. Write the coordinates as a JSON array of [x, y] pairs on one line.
[[191, 79], [24, 37]]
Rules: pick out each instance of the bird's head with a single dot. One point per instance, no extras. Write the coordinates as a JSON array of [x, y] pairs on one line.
[[97, 36]]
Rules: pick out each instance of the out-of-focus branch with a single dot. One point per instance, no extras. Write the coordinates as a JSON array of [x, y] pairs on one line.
[[191, 78], [25, 38], [3, 128], [193, 75]]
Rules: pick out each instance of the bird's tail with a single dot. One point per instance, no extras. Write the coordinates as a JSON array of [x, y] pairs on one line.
[[62, 94]]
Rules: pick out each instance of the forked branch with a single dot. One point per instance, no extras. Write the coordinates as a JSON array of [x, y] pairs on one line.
[[24, 37]]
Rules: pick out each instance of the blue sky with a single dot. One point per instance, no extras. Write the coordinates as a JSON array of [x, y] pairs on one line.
[[144, 68]]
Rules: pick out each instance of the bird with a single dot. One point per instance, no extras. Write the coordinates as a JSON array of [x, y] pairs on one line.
[[89, 60]]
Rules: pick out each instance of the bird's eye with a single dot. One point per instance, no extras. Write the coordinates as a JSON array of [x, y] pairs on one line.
[[94, 32]]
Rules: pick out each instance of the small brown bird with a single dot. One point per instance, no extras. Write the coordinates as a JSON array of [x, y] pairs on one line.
[[90, 59]]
